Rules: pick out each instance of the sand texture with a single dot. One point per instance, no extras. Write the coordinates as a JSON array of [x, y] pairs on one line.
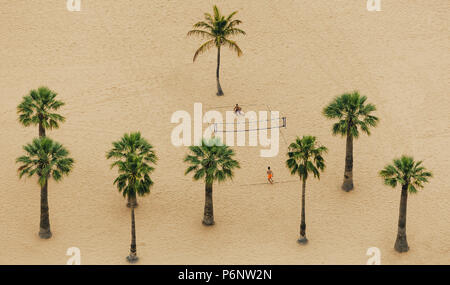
[[125, 65]]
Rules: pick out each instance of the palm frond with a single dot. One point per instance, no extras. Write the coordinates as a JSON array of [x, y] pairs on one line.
[[36, 108], [203, 48], [305, 156], [133, 156], [353, 114], [218, 29], [211, 161], [405, 171], [45, 158]]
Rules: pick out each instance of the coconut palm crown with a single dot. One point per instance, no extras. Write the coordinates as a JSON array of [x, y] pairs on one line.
[[217, 29]]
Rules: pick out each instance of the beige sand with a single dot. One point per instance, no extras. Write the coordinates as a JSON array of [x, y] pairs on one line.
[[128, 66]]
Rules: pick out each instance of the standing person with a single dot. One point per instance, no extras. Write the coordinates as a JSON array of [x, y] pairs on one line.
[[269, 175]]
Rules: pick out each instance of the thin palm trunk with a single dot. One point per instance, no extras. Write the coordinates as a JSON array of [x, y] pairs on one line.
[[41, 130], [132, 201], [348, 172], [208, 214], [133, 254], [219, 88], [303, 238], [44, 228], [401, 244]]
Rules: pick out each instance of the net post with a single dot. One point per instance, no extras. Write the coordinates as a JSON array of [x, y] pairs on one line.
[[284, 122]]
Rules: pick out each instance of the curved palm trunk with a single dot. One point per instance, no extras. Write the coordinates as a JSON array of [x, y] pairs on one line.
[[132, 201], [401, 244], [41, 130], [348, 173], [133, 255], [303, 238], [219, 88], [208, 214], [44, 228]]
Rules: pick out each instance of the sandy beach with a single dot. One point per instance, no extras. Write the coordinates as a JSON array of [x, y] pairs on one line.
[[123, 66]]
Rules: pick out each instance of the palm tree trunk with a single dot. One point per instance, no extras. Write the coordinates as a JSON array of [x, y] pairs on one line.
[[348, 173], [219, 88], [303, 238], [44, 228], [132, 201], [41, 130], [401, 244], [208, 214], [133, 255]]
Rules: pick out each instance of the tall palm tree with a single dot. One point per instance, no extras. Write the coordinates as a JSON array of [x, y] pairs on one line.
[[353, 114], [134, 169], [38, 108], [211, 161], [128, 144], [305, 156], [217, 29], [410, 175], [46, 159]]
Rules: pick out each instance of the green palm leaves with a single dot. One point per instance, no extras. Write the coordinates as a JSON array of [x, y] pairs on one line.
[[305, 156], [45, 158], [217, 29], [211, 161], [405, 171], [134, 176], [132, 143], [38, 108], [410, 175], [353, 114], [134, 156]]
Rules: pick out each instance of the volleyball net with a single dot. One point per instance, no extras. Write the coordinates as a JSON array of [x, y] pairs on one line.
[[245, 124]]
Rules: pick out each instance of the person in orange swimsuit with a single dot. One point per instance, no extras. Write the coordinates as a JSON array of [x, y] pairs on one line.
[[269, 175]]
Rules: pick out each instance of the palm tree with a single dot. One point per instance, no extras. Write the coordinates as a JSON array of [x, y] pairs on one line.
[[410, 175], [305, 157], [45, 158], [38, 108], [128, 144], [211, 161], [353, 114], [134, 174], [217, 29]]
